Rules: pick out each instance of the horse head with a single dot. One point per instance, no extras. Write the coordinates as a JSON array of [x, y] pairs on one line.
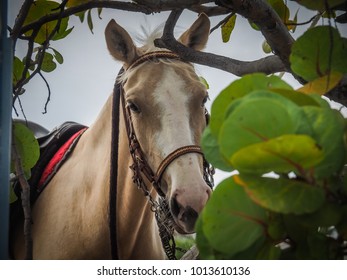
[[166, 100]]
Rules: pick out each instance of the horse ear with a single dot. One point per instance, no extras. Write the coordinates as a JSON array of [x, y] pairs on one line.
[[119, 43], [197, 35]]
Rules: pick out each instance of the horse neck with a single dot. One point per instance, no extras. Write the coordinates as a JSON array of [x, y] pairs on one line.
[[137, 233]]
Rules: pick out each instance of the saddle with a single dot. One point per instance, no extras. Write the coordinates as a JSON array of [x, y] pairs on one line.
[[51, 153], [55, 148]]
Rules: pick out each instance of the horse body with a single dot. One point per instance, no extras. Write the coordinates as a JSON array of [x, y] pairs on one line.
[[70, 217]]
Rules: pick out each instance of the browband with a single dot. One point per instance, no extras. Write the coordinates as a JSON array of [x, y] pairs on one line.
[[152, 56]]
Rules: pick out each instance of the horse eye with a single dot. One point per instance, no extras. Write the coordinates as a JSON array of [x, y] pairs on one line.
[[133, 107], [205, 100]]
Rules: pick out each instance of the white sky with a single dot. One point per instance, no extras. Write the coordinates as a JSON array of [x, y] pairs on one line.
[[82, 84]]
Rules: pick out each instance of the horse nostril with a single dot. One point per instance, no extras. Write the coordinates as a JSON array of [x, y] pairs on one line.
[[189, 215], [175, 207]]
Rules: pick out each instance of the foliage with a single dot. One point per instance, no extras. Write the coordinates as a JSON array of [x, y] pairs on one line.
[[41, 57], [287, 197], [28, 150]]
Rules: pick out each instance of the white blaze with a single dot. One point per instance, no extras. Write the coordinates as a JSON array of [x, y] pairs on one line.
[[175, 126]]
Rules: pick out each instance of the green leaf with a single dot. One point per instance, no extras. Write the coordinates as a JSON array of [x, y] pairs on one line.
[[323, 84], [27, 146], [205, 250], [238, 89], [231, 221], [13, 196], [58, 57], [282, 195], [281, 9], [62, 34], [90, 21], [260, 117], [328, 131], [48, 65], [297, 97], [211, 151], [99, 13], [18, 68], [40, 9], [282, 154], [73, 3], [203, 80], [318, 52], [227, 28], [326, 216], [319, 5], [269, 252], [266, 47]]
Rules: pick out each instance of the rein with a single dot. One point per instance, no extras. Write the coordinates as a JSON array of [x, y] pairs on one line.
[[140, 166]]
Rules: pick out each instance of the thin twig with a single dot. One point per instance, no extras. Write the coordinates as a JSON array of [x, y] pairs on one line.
[[49, 93], [225, 20]]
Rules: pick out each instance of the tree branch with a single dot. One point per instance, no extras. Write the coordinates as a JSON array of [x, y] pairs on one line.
[[25, 195], [18, 88], [267, 65], [270, 24], [339, 93], [15, 32]]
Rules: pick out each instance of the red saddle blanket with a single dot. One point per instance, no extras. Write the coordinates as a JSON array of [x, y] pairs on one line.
[[58, 159]]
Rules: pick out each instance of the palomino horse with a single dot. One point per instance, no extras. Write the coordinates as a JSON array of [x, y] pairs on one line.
[[165, 100]]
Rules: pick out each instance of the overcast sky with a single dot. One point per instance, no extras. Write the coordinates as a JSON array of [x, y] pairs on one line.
[[82, 84]]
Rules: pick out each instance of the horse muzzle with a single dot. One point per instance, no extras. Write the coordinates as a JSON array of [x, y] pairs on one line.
[[185, 207]]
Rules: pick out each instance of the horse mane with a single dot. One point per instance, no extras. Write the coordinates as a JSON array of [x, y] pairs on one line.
[[145, 42]]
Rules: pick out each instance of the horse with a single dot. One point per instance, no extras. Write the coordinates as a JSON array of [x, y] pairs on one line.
[[165, 101]]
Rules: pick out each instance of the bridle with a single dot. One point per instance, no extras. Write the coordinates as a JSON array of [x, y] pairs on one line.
[[141, 169]]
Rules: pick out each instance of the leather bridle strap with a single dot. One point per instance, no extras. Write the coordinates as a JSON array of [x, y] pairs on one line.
[[154, 55], [174, 155]]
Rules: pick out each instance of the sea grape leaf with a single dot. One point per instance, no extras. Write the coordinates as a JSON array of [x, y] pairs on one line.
[[18, 68], [269, 252], [297, 97], [205, 249], [318, 52], [211, 151], [281, 9], [73, 3], [27, 146], [62, 34], [282, 195], [48, 65], [238, 89], [282, 154], [232, 222], [40, 9], [319, 5], [323, 84], [326, 216], [255, 120], [227, 28], [58, 57], [328, 131]]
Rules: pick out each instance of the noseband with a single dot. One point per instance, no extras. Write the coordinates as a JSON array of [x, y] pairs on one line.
[[141, 168]]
